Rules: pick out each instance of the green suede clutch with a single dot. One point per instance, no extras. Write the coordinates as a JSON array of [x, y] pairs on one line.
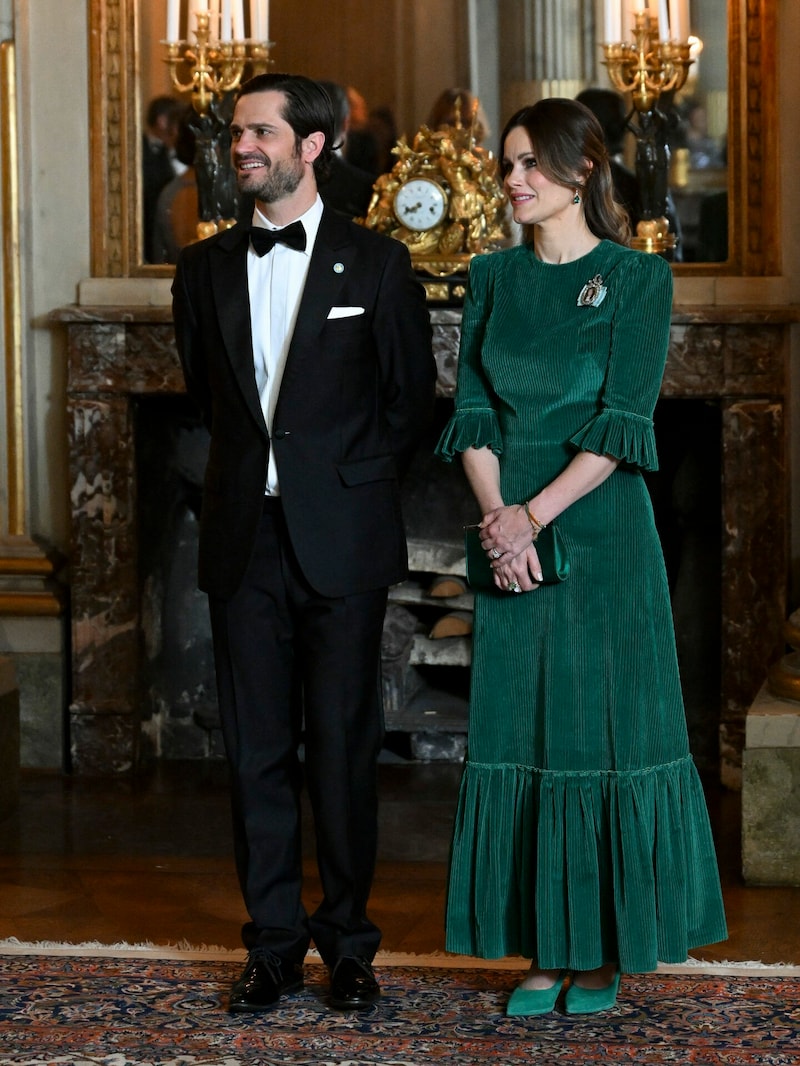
[[549, 548]]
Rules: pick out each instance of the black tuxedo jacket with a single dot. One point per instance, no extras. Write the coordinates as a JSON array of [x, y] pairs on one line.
[[355, 398]]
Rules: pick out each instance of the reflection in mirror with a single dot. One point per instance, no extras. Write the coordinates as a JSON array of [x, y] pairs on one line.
[[520, 50]]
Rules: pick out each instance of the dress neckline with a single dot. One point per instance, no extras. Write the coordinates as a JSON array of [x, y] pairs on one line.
[[570, 262]]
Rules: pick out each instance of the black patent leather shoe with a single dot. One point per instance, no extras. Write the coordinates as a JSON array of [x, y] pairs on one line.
[[265, 979], [353, 984]]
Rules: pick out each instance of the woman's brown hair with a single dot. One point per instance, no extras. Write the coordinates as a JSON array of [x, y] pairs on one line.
[[570, 149]]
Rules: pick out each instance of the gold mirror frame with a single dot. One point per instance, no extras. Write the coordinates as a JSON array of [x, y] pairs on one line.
[[752, 145]]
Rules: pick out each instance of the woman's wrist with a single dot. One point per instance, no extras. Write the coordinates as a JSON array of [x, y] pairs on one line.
[[536, 525]]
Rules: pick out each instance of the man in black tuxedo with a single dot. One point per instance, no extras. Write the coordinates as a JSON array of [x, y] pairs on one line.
[[309, 354]]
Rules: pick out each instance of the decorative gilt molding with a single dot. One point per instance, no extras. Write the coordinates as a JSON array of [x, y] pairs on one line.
[[114, 157], [25, 572], [755, 186], [12, 295]]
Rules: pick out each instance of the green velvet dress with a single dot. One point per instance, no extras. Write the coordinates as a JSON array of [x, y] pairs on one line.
[[582, 835]]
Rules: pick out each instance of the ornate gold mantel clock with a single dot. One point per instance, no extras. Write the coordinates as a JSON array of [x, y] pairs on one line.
[[444, 200]]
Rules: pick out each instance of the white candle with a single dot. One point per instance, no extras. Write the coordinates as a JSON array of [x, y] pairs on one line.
[[663, 21], [238, 20], [613, 21], [196, 7], [255, 21], [265, 19], [673, 19], [173, 20], [225, 23], [679, 19], [213, 20]]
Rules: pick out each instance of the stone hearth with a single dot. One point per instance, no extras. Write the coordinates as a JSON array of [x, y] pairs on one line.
[[734, 360]]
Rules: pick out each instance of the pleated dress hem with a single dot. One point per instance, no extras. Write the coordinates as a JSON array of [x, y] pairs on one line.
[[580, 869]]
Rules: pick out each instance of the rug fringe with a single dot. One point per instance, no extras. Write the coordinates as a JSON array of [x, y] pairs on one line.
[[183, 950], [95, 949]]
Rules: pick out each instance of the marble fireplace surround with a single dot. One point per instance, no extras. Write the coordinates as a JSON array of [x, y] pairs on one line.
[[737, 358]]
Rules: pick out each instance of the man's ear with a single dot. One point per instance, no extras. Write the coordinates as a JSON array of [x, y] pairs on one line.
[[312, 146]]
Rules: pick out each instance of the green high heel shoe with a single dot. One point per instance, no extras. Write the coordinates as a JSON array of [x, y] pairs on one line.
[[591, 1000], [529, 1001]]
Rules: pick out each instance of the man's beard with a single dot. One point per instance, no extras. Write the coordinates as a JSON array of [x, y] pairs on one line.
[[279, 180]]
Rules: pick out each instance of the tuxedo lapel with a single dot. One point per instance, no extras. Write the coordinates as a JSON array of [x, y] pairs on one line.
[[331, 260], [228, 269]]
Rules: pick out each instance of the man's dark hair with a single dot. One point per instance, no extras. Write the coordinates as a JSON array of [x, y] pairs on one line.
[[341, 108], [162, 105], [307, 109]]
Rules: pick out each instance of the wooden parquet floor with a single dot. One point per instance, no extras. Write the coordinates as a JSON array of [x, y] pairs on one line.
[[149, 861]]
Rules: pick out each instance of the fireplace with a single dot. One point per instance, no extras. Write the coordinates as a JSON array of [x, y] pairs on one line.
[[724, 395]]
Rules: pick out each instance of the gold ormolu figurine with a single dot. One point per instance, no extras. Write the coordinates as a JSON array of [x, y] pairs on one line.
[[442, 198]]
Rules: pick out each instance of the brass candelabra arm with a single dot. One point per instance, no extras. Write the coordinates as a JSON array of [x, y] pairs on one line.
[[646, 67]]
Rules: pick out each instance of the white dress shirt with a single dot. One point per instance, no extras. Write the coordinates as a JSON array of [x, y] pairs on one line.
[[275, 284]]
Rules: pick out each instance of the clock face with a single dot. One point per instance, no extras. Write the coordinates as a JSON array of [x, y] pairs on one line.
[[420, 204]]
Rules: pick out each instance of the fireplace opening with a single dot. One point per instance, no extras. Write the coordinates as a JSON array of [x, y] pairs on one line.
[[426, 641]]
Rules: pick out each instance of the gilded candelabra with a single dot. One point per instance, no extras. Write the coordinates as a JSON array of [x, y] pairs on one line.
[[216, 69], [647, 68], [216, 66]]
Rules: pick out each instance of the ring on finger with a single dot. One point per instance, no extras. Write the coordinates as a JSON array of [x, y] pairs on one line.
[[496, 554], [513, 587]]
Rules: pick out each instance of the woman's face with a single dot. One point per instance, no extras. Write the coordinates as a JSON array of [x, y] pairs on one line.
[[535, 199]]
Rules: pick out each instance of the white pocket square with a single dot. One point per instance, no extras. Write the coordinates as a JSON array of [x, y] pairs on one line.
[[345, 312]]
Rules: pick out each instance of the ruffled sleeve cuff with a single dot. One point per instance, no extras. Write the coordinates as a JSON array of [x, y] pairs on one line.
[[626, 436], [472, 427]]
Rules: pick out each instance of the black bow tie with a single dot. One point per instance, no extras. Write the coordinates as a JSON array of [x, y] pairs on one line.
[[264, 240]]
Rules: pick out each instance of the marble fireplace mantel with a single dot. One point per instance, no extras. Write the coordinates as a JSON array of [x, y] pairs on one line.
[[734, 357]]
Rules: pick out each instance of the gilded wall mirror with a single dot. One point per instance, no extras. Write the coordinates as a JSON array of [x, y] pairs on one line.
[[724, 148]]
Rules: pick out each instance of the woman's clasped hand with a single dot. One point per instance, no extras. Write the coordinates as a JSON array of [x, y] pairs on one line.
[[506, 539]]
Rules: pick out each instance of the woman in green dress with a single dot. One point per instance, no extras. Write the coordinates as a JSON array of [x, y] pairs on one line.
[[582, 838]]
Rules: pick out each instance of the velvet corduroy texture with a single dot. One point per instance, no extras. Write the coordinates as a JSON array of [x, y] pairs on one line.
[[582, 835]]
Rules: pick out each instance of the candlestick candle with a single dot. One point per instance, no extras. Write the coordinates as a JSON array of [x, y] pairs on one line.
[[686, 21], [225, 21], [173, 20], [613, 21], [663, 21], [679, 19], [238, 20]]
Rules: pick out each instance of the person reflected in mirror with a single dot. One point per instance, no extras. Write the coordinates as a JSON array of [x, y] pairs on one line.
[[582, 839], [305, 341], [160, 163], [383, 127], [362, 148], [177, 207], [347, 189], [458, 107]]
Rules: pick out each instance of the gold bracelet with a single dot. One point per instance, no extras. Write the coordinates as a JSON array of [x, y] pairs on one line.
[[536, 525]]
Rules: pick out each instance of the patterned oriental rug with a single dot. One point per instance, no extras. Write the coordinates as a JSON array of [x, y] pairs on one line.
[[135, 1009]]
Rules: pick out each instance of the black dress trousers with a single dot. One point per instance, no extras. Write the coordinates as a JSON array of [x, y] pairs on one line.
[[291, 662]]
